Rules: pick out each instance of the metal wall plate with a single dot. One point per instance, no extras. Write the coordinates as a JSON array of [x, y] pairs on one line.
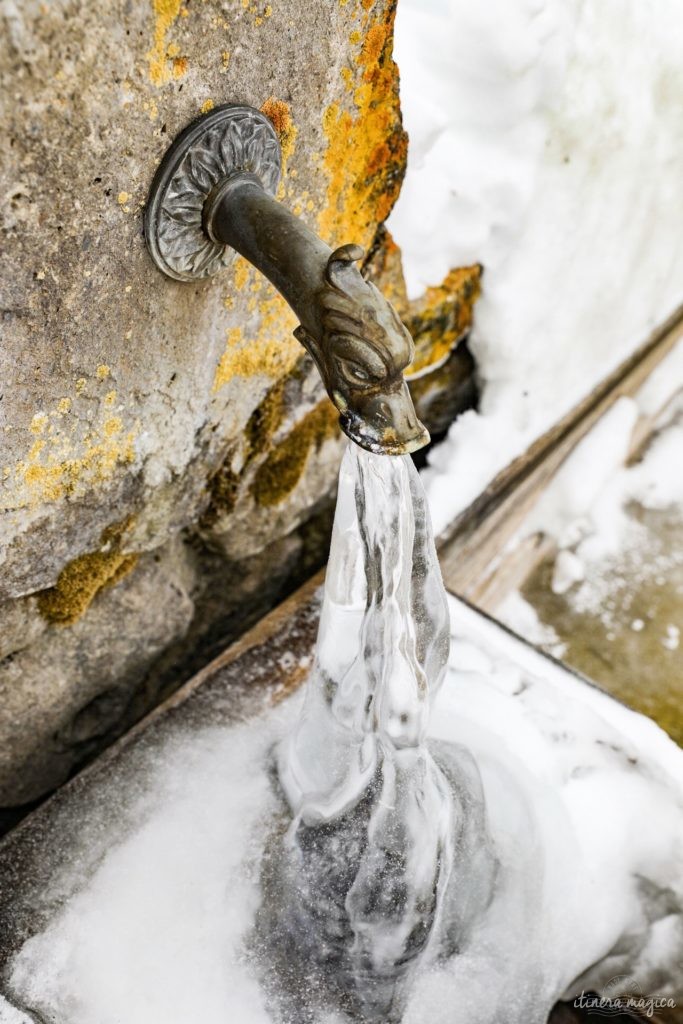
[[227, 140]]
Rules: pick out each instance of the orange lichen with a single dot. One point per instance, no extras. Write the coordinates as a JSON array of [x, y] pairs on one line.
[[180, 66], [366, 147], [384, 267], [440, 317], [281, 116]]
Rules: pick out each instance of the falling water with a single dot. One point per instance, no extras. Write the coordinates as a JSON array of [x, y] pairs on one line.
[[363, 871]]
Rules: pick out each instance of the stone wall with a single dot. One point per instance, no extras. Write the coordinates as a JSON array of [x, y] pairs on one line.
[[167, 455]]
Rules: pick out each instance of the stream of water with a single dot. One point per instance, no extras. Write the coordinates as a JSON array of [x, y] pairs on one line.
[[369, 854]]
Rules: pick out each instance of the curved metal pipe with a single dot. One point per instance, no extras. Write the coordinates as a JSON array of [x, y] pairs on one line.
[[354, 335]]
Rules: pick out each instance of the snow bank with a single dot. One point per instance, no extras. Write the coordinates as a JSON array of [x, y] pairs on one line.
[[545, 144]]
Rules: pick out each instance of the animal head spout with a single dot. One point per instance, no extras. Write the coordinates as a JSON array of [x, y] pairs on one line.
[[361, 354]]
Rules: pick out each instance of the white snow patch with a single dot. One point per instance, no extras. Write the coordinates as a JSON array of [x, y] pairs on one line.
[[158, 932], [10, 1015], [545, 144], [156, 935], [663, 384]]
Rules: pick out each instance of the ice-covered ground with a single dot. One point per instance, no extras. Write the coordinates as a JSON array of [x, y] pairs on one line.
[[153, 919], [545, 144]]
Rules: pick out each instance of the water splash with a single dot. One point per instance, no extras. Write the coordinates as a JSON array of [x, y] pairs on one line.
[[368, 856]]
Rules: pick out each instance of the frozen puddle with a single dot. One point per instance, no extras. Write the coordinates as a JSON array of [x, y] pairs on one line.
[[143, 895]]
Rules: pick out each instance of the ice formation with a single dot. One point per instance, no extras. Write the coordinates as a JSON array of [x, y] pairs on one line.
[[365, 886], [555, 813], [544, 144]]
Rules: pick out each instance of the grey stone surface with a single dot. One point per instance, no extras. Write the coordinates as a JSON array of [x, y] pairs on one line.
[[64, 694], [109, 369], [124, 396]]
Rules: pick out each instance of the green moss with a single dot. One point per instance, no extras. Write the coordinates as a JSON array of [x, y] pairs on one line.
[[281, 471], [82, 579]]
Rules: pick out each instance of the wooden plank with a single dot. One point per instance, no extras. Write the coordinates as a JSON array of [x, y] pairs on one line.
[[473, 553]]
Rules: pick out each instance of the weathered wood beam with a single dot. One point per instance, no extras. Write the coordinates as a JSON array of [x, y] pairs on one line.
[[473, 554]]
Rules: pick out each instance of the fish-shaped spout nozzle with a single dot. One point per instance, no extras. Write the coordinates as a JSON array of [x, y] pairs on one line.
[[361, 350], [383, 421]]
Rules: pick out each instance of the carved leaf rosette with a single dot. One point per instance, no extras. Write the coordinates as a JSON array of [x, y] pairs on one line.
[[225, 141]]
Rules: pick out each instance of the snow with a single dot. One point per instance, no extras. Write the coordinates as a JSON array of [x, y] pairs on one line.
[[154, 918], [155, 935], [545, 144], [10, 1015]]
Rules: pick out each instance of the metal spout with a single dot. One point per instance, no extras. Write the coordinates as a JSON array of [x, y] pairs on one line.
[[359, 345]]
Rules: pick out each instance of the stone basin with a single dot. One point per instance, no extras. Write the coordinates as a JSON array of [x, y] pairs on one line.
[[59, 845]]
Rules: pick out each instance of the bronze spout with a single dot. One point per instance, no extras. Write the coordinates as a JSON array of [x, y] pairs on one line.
[[212, 194]]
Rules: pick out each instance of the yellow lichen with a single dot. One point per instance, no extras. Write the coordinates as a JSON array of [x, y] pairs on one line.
[[81, 385], [81, 580], [241, 273], [38, 423], [122, 198], [366, 148], [206, 106], [112, 426], [102, 371], [279, 474], [160, 67], [272, 350], [70, 461]]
